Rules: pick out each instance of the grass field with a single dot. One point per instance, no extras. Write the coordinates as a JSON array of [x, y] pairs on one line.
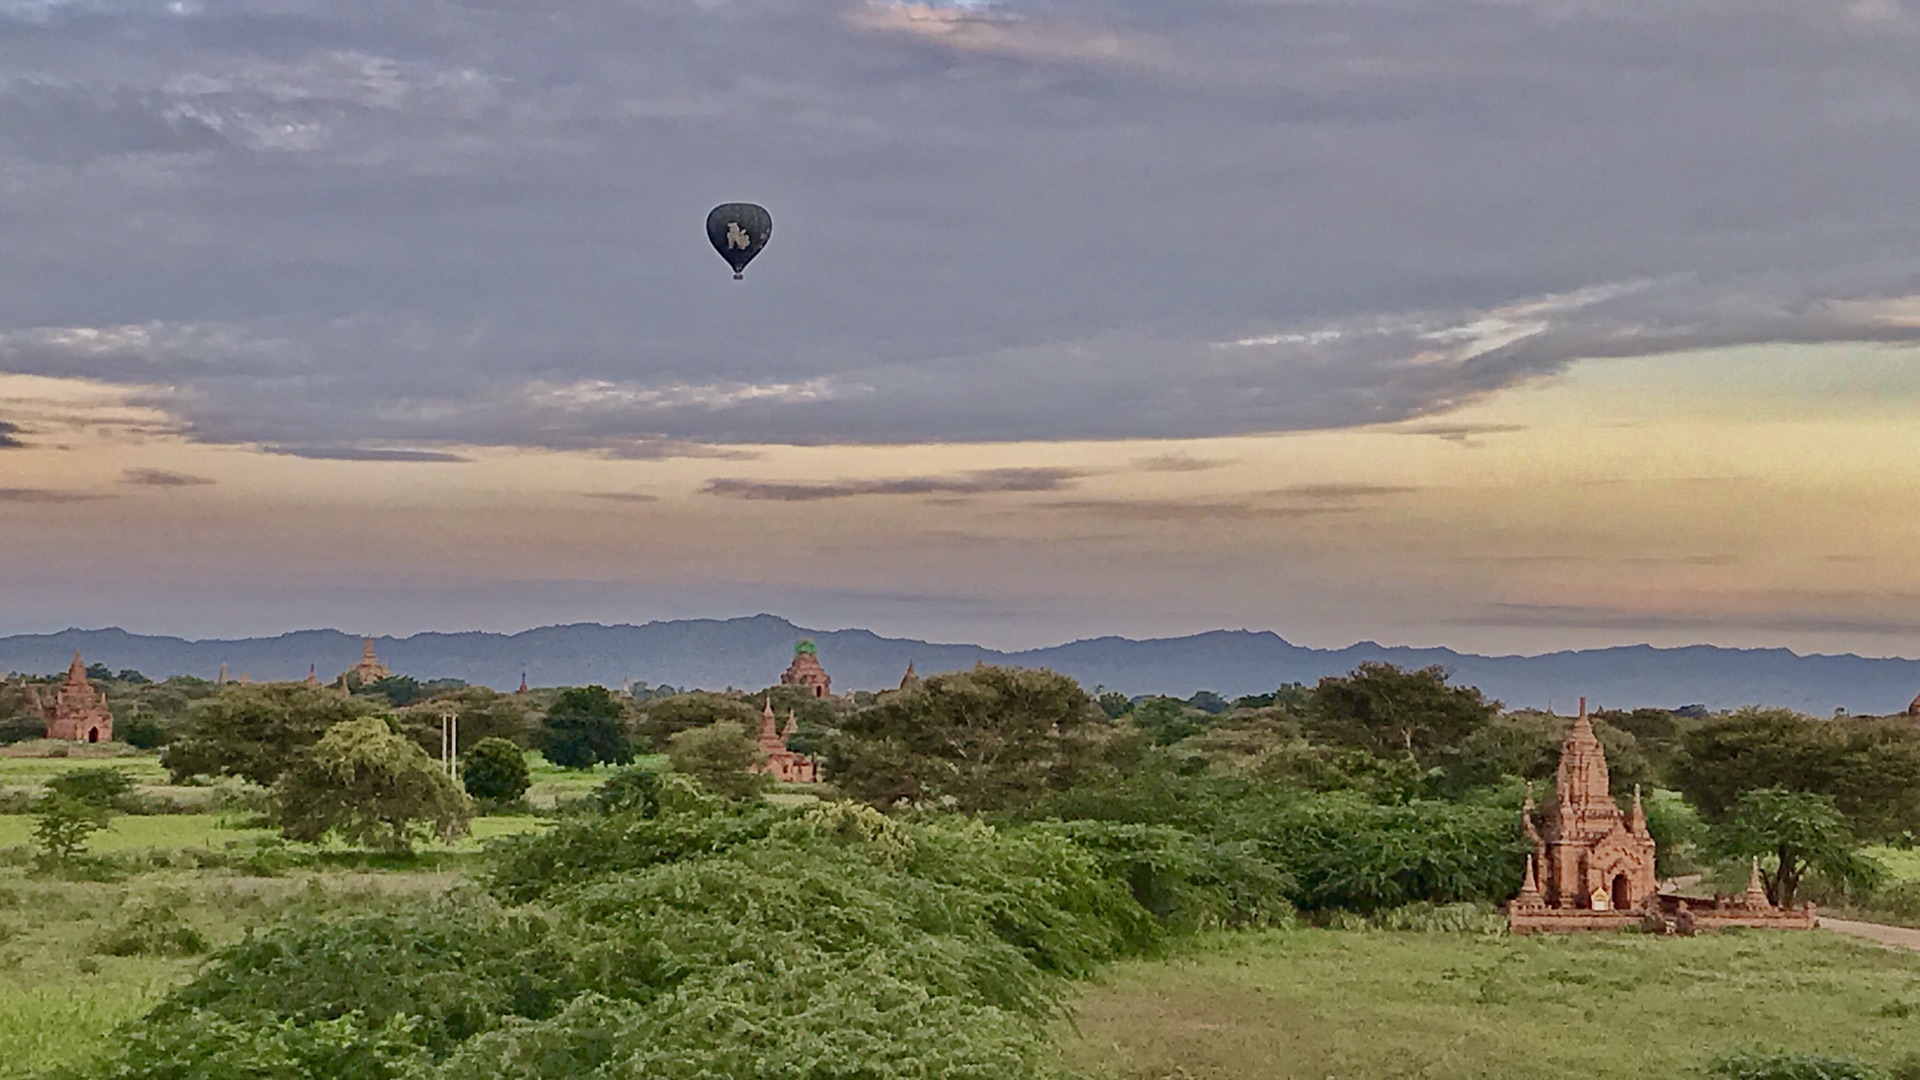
[[126, 832], [1309, 1004], [61, 996], [1902, 864]]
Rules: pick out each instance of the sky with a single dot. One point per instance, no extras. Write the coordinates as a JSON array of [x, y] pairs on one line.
[[1509, 325]]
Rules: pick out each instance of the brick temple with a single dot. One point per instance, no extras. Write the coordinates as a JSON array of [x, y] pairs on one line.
[[1592, 866], [806, 671], [77, 711], [783, 763]]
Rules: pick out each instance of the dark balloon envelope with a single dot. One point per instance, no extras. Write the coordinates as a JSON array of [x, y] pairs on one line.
[[738, 232]]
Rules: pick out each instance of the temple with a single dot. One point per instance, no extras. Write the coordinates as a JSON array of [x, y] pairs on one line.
[[806, 671], [369, 670], [783, 763], [1592, 866], [911, 679], [78, 711]]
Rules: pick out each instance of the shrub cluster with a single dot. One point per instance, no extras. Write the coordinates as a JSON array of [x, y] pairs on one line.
[[685, 936]]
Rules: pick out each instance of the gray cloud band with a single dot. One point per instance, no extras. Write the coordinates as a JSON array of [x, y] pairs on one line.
[[342, 233]]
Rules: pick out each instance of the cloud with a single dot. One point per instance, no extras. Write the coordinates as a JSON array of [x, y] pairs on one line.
[[1173, 511], [1180, 463], [1459, 433], [46, 495], [351, 453], [622, 496], [1019, 221], [162, 478], [9, 436], [1344, 491], [658, 449], [974, 483], [1573, 616]]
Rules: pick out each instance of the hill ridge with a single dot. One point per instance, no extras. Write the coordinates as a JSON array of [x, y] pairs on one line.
[[750, 651]]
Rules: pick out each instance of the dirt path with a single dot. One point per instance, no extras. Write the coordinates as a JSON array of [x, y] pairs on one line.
[[1896, 936]]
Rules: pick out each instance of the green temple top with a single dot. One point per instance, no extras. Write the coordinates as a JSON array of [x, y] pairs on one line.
[[804, 647]]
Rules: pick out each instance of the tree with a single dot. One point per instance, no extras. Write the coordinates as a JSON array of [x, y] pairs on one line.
[[63, 823], [984, 739], [585, 727], [1115, 704], [1869, 768], [668, 716], [722, 757], [368, 785], [1167, 720], [495, 771], [255, 732], [482, 714], [1799, 832], [107, 789], [1209, 702], [1387, 711]]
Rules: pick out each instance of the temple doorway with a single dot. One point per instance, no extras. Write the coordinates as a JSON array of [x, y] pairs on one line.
[[1622, 893]]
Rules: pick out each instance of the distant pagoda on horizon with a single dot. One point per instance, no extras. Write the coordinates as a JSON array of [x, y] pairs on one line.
[[805, 671]]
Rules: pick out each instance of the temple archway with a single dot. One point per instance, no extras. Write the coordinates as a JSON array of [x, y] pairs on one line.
[[1622, 893], [93, 734]]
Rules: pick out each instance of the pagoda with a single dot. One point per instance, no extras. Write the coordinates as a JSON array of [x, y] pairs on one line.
[[805, 671], [78, 712], [1592, 866], [369, 670], [783, 763]]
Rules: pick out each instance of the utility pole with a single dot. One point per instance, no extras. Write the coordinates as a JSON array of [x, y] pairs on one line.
[[450, 744]]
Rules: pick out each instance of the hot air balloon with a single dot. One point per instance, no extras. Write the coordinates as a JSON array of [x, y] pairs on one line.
[[738, 232]]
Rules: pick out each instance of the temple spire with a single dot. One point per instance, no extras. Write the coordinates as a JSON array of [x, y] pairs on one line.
[[1637, 820], [1756, 890], [77, 671]]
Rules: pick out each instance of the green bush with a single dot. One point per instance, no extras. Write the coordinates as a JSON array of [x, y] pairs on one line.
[[1763, 1065], [495, 771], [105, 788], [150, 928]]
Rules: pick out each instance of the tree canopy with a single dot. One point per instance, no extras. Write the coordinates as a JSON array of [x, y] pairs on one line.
[[256, 732], [586, 727], [370, 786], [721, 756], [495, 771], [1798, 831], [1870, 769], [983, 739], [1388, 711]]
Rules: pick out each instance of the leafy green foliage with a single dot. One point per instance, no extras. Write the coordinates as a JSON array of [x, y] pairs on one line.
[[1762, 1065], [1390, 712], [256, 732], [108, 789], [633, 789], [481, 714], [495, 771], [668, 716], [1869, 768], [142, 733], [1209, 702], [586, 727], [982, 739], [1166, 720], [1799, 831], [62, 824], [151, 927], [369, 786], [1115, 704], [721, 757], [213, 1047]]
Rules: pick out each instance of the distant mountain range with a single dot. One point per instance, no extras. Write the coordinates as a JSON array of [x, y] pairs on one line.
[[752, 652]]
